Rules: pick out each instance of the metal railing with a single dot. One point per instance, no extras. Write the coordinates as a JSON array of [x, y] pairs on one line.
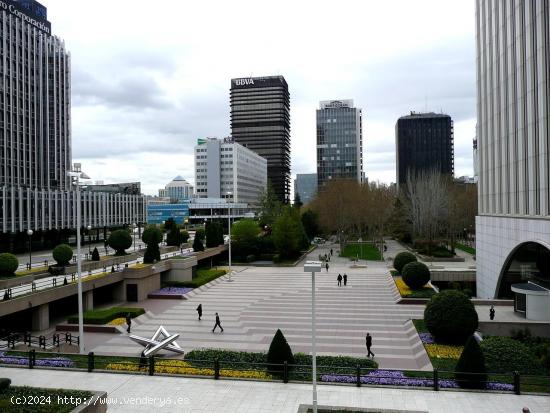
[[44, 342], [358, 376]]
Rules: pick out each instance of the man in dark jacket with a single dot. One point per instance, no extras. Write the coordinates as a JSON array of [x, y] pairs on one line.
[[369, 344], [217, 323], [128, 322], [199, 311], [339, 279], [345, 280]]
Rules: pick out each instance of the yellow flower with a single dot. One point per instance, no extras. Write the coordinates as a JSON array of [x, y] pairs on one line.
[[117, 321], [443, 351], [403, 288]]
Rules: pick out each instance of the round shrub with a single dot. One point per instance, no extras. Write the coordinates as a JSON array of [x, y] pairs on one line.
[[402, 259], [120, 240], [416, 275], [471, 371], [504, 355], [450, 317], [8, 264], [62, 254], [151, 235]]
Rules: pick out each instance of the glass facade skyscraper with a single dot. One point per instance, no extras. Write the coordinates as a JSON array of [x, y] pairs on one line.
[[260, 121], [339, 141]]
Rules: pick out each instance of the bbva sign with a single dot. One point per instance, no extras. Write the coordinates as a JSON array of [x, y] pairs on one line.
[[244, 82]]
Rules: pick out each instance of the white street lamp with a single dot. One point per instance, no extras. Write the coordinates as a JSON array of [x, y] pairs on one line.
[[313, 267], [134, 234], [229, 234], [89, 228], [29, 233], [77, 175]]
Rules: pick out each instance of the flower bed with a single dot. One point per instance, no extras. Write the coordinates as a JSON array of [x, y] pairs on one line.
[[24, 361], [117, 321], [398, 378], [406, 292], [443, 351], [170, 291]]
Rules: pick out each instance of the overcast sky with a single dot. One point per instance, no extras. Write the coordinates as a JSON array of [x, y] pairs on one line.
[[150, 77]]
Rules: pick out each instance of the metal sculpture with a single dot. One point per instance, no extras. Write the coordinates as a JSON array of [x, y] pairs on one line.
[[161, 340]]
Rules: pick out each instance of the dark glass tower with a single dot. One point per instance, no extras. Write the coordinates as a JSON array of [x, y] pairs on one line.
[[424, 141], [260, 120]]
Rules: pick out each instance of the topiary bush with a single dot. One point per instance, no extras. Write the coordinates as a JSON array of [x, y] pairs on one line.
[[197, 243], [470, 371], [4, 384], [416, 275], [8, 264], [62, 254], [504, 355], [152, 236], [95, 255], [279, 352], [450, 317], [120, 240], [402, 259]]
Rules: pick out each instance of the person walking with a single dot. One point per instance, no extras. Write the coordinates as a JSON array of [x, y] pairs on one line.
[[339, 279], [369, 344], [128, 322], [217, 323], [199, 311], [326, 266], [345, 280], [492, 313], [331, 251]]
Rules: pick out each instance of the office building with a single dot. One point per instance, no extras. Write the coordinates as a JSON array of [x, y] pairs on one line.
[[178, 190], [513, 124], [424, 142], [305, 185], [339, 141], [35, 191], [160, 213], [260, 120], [130, 188], [228, 170]]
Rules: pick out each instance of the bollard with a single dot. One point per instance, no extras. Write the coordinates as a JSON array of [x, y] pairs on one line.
[[54, 281], [216, 369], [151, 365], [285, 372], [91, 361], [436, 380], [358, 373]]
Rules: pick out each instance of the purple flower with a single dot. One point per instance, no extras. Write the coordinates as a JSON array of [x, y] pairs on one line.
[[23, 361], [426, 338], [172, 291]]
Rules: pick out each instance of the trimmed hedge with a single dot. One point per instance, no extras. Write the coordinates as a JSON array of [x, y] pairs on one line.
[[4, 384], [279, 352], [470, 371], [120, 240], [416, 275], [450, 317], [504, 355], [107, 315], [8, 264], [402, 259], [62, 254]]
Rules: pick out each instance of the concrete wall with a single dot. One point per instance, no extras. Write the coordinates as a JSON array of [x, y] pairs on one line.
[[503, 328], [181, 270], [450, 276]]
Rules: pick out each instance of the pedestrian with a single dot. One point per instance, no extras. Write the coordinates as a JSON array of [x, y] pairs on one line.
[[326, 266], [369, 344], [339, 279], [492, 313], [385, 247], [217, 323], [329, 258], [345, 280], [128, 322], [199, 311], [331, 251]]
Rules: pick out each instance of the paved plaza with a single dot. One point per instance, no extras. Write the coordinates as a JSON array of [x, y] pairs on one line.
[[260, 300], [130, 393]]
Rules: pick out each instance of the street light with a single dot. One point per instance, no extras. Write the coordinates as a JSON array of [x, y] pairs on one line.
[[77, 175], [29, 233], [313, 267], [89, 228], [229, 234], [134, 234]]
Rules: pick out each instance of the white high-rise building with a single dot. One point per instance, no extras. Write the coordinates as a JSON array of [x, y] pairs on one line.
[[178, 190], [226, 169], [513, 144]]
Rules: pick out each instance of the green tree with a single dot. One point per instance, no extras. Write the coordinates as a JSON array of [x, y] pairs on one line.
[[279, 352], [470, 371], [199, 238], [170, 224], [120, 240], [151, 236], [95, 255], [8, 264], [184, 236], [270, 206], [244, 234], [288, 234], [310, 222], [214, 234], [62, 254]]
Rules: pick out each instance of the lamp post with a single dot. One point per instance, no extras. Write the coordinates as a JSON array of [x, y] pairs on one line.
[[313, 267], [229, 234], [29, 233], [76, 176], [89, 228], [134, 235]]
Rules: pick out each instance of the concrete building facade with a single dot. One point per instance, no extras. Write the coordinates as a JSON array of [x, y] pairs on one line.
[[513, 123]]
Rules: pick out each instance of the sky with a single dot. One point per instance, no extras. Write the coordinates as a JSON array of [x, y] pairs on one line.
[[151, 77]]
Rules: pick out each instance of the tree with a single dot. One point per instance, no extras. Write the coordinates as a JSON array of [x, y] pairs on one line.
[[310, 222], [184, 236], [95, 255], [279, 352], [8, 264], [288, 234], [243, 237], [270, 206], [198, 241], [470, 371], [214, 234], [402, 259], [151, 236], [416, 275], [62, 254], [170, 224], [120, 240], [398, 222]]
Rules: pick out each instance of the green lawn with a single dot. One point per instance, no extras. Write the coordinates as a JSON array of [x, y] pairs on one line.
[[203, 276], [106, 315], [364, 252], [465, 248]]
